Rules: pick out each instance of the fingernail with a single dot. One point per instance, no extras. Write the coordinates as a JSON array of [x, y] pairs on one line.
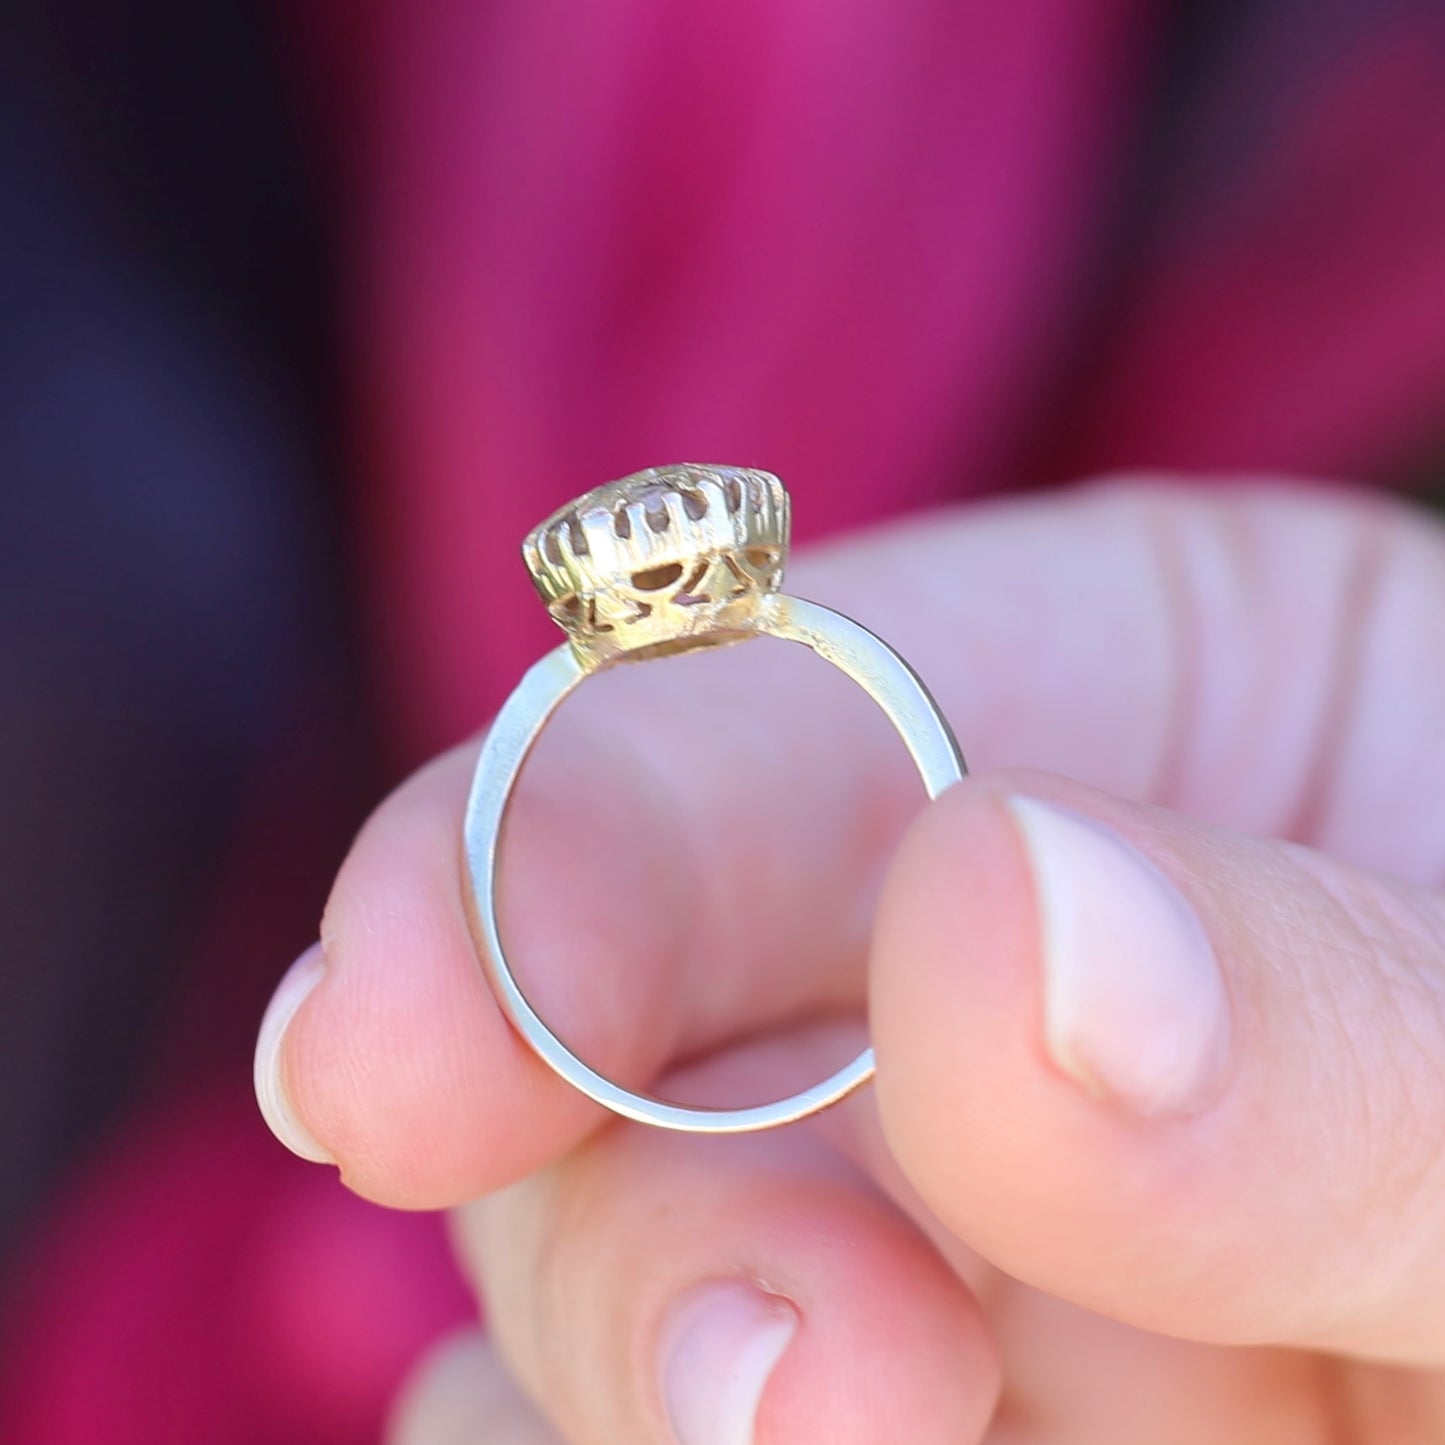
[[1135, 1007], [719, 1347], [285, 1124]]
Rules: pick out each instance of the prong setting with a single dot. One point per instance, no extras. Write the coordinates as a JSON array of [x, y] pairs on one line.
[[666, 560]]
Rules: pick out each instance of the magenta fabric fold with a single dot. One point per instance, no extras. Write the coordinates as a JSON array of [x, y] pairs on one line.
[[1289, 312], [834, 240]]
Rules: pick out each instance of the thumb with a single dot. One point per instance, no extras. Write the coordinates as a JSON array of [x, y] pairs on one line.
[[1188, 1079]]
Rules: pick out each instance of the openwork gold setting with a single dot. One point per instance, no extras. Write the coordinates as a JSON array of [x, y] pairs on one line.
[[666, 561]]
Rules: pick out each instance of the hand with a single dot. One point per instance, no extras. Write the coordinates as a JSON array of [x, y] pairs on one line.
[[1154, 1154]]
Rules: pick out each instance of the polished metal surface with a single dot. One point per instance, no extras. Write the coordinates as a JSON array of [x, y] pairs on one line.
[[870, 662], [668, 560]]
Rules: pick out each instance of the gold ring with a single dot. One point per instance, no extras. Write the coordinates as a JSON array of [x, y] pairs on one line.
[[670, 560]]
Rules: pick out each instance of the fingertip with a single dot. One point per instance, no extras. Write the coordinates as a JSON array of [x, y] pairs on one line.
[[1097, 1028], [1027, 923], [1009, 1129], [271, 1068], [400, 1062], [726, 1291]]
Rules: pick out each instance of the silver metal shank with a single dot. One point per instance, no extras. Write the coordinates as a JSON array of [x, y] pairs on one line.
[[851, 648]]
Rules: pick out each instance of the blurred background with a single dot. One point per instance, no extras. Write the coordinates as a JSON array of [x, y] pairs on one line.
[[309, 311]]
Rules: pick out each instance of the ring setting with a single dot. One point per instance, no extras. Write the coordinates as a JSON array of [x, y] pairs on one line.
[[669, 560], [663, 561]]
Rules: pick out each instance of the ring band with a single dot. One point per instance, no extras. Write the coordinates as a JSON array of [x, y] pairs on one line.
[[701, 549]]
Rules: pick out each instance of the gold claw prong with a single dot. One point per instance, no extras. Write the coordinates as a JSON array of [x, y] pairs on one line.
[[637, 583]]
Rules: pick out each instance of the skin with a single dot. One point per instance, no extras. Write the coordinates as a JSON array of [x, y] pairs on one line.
[[1248, 684]]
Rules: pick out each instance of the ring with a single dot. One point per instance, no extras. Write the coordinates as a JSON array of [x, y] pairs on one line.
[[666, 561]]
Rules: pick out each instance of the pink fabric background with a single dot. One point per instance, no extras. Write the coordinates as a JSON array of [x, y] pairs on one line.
[[878, 247]]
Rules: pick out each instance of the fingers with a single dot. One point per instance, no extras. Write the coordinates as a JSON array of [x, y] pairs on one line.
[[567, 1278], [749, 1291], [1181, 1077], [620, 889], [656, 907], [460, 1394]]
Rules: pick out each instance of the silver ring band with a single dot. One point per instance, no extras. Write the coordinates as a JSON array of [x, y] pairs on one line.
[[851, 648]]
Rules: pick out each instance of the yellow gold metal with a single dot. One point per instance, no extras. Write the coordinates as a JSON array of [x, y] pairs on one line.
[[665, 561], [662, 561]]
